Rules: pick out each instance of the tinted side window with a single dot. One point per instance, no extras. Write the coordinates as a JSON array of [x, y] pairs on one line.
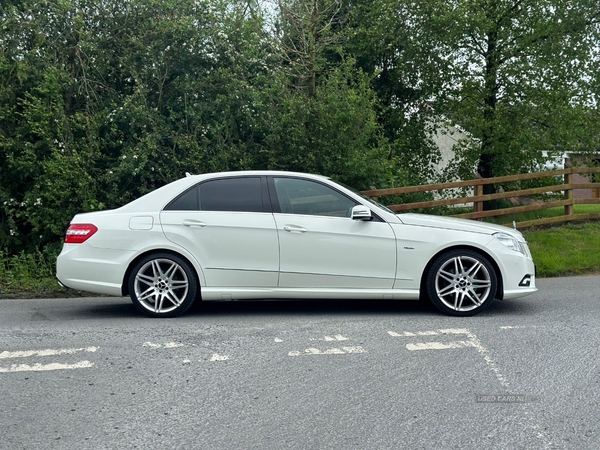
[[188, 201], [232, 194], [308, 197]]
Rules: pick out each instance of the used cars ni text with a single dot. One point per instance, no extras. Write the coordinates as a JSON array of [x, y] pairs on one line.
[[285, 235]]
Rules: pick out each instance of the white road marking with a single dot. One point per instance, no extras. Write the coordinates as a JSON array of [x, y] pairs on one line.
[[472, 341], [403, 334], [166, 345], [47, 352], [455, 331], [429, 332], [330, 351], [216, 357], [354, 349], [439, 345], [45, 367], [337, 337], [278, 340], [488, 360], [151, 345], [173, 345]]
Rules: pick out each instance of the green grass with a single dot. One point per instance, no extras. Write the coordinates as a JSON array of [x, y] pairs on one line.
[[571, 249], [567, 249], [29, 274]]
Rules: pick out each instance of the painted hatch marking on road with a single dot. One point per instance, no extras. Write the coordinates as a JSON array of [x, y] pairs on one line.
[[337, 337], [38, 367], [434, 345], [214, 357], [46, 352], [439, 345], [472, 342], [165, 345], [329, 351], [46, 367]]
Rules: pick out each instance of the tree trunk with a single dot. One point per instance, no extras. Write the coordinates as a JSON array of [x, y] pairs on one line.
[[487, 156]]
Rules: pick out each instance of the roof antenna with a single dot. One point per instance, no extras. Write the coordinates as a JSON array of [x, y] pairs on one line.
[[187, 174]]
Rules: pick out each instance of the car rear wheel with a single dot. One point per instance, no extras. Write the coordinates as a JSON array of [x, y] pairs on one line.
[[461, 283], [163, 285]]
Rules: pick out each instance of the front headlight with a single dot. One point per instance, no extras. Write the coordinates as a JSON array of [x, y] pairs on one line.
[[509, 241]]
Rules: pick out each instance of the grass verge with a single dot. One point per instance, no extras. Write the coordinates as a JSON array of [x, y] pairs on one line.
[[571, 249], [28, 275]]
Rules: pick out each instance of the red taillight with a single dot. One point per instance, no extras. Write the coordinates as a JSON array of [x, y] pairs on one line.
[[79, 233]]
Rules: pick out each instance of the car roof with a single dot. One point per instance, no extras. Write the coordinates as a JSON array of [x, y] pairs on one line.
[[238, 173], [161, 196]]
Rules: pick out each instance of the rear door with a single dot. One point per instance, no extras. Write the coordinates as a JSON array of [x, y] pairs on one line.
[[227, 224]]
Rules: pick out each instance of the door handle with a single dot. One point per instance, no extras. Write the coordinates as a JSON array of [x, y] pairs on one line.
[[294, 229], [193, 223]]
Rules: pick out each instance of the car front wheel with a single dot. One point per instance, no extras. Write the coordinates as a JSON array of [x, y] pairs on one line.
[[163, 285], [461, 283]]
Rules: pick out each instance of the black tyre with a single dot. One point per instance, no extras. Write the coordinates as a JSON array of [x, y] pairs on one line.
[[163, 285], [461, 283]]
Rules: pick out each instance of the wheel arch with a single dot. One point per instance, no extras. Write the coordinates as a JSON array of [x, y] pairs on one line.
[[125, 281], [500, 282]]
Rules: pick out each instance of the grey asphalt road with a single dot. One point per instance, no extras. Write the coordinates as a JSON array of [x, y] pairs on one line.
[[91, 373]]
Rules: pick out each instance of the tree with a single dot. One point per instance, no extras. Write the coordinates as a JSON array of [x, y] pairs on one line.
[[516, 77], [323, 106], [390, 42], [305, 32], [103, 102]]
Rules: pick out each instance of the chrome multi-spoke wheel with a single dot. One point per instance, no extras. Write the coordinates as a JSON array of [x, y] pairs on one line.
[[461, 283], [163, 285]]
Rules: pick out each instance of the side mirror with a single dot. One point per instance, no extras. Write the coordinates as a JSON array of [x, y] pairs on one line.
[[361, 212]]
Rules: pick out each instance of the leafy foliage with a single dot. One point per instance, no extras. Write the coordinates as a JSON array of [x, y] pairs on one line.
[[101, 102]]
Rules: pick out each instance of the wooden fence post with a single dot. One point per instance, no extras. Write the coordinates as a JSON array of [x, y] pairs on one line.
[[478, 205], [569, 192]]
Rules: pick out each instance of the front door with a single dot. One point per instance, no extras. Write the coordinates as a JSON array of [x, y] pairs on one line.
[[322, 247]]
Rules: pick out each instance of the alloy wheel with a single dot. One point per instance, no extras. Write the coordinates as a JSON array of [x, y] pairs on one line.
[[463, 283], [161, 285]]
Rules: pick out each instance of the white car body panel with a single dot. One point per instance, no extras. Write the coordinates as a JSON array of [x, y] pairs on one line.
[[309, 294], [417, 246], [235, 248], [344, 253], [248, 255]]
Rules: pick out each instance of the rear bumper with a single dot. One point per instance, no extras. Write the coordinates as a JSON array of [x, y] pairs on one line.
[[91, 269]]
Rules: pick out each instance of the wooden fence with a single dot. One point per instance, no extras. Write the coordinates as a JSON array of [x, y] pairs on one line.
[[563, 196]]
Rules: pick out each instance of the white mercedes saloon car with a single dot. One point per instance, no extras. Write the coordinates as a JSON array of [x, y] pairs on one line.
[[284, 235]]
